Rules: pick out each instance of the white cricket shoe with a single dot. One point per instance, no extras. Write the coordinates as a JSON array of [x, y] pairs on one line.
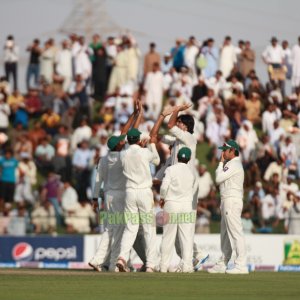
[[219, 267], [198, 262], [95, 267], [188, 270], [183, 269], [179, 268], [121, 265], [238, 270]]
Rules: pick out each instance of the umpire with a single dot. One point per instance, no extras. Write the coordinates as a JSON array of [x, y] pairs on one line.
[[230, 178]]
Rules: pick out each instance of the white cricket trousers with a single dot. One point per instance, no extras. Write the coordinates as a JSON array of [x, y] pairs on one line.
[[232, 236], [197, 251], [111, 239], [181, 224], [139, 210]]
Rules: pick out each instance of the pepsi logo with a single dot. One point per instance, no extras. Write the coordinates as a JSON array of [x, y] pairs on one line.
[[22, 252]]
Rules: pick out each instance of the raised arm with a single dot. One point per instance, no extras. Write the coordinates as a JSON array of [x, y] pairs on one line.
[[167, 111], [131, 119], [176, 110], [140, 115], [153, 154]]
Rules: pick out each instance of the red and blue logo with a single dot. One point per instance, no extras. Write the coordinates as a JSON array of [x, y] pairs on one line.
[[22, 252]]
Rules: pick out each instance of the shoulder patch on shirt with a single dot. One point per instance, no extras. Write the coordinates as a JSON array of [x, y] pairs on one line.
[[225, 169]]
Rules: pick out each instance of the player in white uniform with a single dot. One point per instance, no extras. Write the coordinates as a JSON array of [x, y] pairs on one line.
[[139, 198], [230, 178], [110, 174], [181, 128], [176, 198]]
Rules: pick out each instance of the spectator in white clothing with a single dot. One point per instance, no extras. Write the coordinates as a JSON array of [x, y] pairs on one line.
[[190, 53], [288, 153], [248, 226], [84, 217], [217, 132], [43, 218], [70, 204], [217, 83], [273, 56], [205, 183], [83, 132], [276, 134], [232, 87], [44, 154], [295, 57], [154, 88], [82, 61], [4, 114], [64, 65], [11, 57], [28, 167], [287, 54], [275, 167], [227, 57], [269, 117], [247, 139], [269, 203]]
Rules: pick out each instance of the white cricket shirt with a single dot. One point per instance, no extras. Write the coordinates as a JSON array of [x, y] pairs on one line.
[[178, 183], [183, 139], [110, 173], [136, 168], [230, 178]]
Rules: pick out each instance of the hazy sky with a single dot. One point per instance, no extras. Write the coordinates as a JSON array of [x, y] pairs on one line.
[[161, 20]]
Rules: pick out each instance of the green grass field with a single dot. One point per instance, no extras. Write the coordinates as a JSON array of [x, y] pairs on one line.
[[71, 285]]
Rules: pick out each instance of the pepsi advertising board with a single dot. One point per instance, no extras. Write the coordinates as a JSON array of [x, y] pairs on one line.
[[41, 249]]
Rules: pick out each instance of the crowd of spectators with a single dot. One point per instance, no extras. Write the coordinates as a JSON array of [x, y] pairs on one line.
[[79, 94]]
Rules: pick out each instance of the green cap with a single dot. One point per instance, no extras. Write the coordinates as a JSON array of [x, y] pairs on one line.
[[231, 144], [113, 141], [133, 132], [184, 153]]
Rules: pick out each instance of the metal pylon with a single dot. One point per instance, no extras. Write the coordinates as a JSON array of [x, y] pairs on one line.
[[89, 17]]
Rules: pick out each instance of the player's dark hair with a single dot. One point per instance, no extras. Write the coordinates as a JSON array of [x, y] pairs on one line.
[[188, 121], [183, 160], [133, 139], [236, 152]]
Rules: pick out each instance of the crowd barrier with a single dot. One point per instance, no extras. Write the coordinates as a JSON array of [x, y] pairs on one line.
[[264, 252]]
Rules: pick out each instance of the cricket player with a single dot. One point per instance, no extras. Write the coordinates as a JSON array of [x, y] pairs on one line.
[[182, 129], [139, 198], [230, 178], [114, 184], [110, 173], [176, 198]]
